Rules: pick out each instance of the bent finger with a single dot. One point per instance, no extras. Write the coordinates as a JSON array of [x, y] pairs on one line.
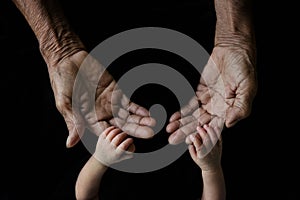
[[133, 107], [124, 146], [211, 133], [112, 134], [179, 135], [137, 130], [118, 139], [192, 151]]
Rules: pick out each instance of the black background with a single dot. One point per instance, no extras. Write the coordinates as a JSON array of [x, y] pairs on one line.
[[259, 152]]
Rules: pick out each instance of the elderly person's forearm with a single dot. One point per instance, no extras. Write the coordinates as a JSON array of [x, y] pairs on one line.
[[51, 28], [234, 23]]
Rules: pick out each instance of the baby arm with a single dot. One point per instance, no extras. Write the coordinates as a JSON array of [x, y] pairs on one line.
[[113, 146], [209, 162]]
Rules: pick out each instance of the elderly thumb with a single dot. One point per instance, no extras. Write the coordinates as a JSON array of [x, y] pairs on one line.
[[72, 139], [75, 127], [234, 115]]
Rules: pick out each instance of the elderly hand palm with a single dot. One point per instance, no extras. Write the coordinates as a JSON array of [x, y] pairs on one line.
[[112, 107], [224, 94]]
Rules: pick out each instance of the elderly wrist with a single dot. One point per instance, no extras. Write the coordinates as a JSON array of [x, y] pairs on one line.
[[235, 34], [55, 47], [231, 39], [243, 45], [234, 24]]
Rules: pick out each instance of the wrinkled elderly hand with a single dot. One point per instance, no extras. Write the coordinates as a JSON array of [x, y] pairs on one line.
[[228, 82], [95, 102], [225, 93]]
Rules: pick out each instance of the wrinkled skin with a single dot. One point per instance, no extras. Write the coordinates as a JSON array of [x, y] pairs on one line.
[[111, 106], [224, 94]]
